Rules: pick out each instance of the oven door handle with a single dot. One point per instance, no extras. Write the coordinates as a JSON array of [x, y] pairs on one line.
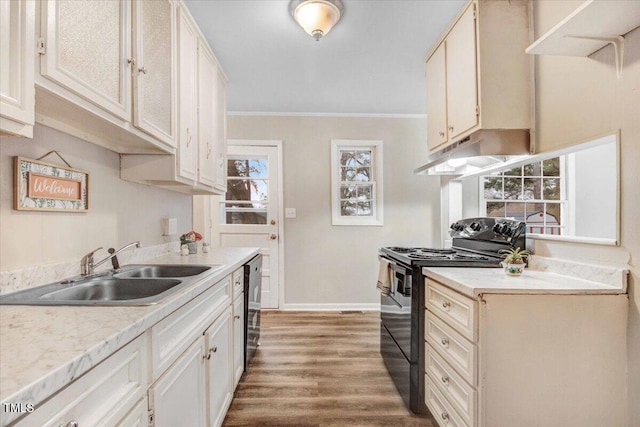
[[392, 263]]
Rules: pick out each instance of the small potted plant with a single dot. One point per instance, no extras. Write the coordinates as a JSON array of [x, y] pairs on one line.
[[514, 261], [190, 239]]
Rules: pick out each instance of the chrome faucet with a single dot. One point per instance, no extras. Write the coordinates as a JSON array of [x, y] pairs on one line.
[[87, 265]]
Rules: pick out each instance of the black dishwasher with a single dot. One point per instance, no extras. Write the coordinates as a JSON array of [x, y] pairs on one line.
[[252, 291]]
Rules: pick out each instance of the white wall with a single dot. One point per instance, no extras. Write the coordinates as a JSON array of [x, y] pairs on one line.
[[119, 211], [578, 99], [327, 264]]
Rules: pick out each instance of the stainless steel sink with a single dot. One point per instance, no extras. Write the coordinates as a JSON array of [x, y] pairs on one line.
[[112, 289], [129, 286], [163, 271]]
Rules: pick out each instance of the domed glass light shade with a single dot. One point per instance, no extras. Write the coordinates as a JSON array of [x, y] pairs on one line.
[[316, 17]]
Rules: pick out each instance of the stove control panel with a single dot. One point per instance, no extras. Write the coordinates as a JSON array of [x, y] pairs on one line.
[[501, 230]]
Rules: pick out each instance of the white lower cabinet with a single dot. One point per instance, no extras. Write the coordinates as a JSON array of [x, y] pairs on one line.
[[179, 373], [197, 387], [110, 394], [525, 360], [238, 338], [178, 397], [219, 357]]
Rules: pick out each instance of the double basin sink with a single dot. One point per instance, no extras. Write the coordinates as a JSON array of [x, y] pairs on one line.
[[130, 285]]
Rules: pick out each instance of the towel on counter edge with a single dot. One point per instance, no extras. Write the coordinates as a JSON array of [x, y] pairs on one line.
[[384, 278]]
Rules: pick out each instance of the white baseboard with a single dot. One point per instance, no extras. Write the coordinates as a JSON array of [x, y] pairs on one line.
[[331, 307]]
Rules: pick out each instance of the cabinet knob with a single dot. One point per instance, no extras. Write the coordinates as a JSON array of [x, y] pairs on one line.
[[444, 416], [441, 134], [445, 379], [273, 237], [237, 317], [143, 70], [446, 305], [450, 128], [131, 61], [213, 349], [445, 341]]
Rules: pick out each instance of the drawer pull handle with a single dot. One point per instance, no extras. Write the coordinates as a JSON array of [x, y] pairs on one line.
[[444, 341], [444, 416], [445, 379], [446, 305]]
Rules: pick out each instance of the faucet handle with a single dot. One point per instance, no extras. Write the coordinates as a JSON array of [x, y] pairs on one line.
[[86, 264]]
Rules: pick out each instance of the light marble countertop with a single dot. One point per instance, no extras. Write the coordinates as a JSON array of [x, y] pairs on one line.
[[44, 348], [543, 279]]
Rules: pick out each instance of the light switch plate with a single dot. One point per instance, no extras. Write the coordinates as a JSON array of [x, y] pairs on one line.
[[290, 212]]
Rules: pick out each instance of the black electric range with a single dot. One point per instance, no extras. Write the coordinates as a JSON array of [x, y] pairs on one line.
[[477, 242]]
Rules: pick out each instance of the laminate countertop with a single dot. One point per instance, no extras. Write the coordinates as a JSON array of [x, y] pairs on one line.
[[44, 348], [545, 276]]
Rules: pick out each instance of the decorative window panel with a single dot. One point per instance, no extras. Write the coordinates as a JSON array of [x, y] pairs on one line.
[[356, 182]]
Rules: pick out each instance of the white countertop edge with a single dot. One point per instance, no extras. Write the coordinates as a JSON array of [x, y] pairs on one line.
[[57, 378], [452, 278]]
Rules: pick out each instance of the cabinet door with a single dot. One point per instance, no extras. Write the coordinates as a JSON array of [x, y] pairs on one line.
[[87, 46], [219, 367], [220, 151], [238, 339], [178, 397], [16, 57], [154, 74], [437, 98], [208, 78], [188, 72], [462, 82]]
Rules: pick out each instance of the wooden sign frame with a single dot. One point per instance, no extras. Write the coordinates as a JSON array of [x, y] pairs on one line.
[[42, 186]]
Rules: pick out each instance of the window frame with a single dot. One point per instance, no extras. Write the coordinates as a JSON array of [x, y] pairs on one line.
[[377, 201], [564, 201]]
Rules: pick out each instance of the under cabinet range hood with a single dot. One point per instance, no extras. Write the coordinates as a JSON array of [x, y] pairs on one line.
[[483, 149]]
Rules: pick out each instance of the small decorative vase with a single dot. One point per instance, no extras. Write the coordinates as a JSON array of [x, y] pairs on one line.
[[193, 247], [513, 269]]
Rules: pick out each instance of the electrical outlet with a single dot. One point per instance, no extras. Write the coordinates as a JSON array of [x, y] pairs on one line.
[[169, 226]]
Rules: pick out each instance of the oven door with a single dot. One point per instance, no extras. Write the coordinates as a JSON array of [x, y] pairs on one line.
[[395, 308]]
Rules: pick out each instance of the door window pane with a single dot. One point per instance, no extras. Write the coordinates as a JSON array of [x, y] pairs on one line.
[[247, 196]]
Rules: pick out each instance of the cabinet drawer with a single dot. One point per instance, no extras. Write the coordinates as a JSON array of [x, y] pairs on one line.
[[456, 390], [175, 333], [441, 410], [104, 396], [453, 347], [457, 310], [238, 282]]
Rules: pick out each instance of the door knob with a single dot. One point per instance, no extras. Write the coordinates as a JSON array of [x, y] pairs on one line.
[[273, 237]]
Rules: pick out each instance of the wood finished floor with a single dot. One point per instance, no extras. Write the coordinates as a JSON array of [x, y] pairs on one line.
[[319, 369]]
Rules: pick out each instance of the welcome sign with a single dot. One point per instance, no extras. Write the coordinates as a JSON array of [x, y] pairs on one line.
[[53, 187], [45, 186]]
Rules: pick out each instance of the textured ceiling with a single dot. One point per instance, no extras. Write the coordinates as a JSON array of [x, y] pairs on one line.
[[372, 62]]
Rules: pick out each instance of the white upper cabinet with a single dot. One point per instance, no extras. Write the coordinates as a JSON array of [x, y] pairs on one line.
[[154, 69], [462, 84], [199, 166], [476, 79], [188, 72], [86, 43], [208, 78], [107, 72], [220, 150], [16, 67]]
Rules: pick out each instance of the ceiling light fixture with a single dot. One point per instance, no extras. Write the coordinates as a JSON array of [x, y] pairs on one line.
[[316, 17]]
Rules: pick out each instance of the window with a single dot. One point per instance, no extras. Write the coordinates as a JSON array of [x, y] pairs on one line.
[[356, 182], [247, 197], [534, 193]]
